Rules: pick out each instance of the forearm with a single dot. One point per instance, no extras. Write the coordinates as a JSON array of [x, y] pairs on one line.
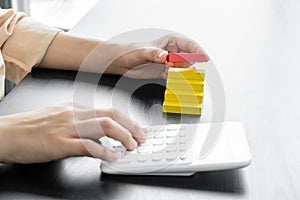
[[68, 52], [2, 142], [3, 139]]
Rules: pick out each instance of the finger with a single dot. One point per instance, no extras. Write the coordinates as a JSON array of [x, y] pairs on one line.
[[116, 131], [83, 114], [155, 55], [89, 127], [86, 147], [161, 56], [188, 45], [169, 64], [105, 126], [133, 126], [183, 44]]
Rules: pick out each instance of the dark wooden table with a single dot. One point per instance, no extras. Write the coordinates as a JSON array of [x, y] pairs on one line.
[[80, 178]]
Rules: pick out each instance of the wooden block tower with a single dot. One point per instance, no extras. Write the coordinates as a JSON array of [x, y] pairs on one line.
[[184, 91]]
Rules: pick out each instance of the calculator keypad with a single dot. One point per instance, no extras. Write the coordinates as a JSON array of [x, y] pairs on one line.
[[165, 145]]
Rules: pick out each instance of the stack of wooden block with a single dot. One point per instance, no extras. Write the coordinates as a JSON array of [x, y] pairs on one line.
[[184, 91]]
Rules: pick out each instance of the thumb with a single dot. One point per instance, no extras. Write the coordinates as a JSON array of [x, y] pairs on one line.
[[155, 55]]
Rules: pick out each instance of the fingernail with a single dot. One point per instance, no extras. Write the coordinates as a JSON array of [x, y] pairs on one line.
[[134, 144], [160, 55]]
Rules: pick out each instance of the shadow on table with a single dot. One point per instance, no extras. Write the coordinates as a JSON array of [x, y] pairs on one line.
[[229, 181], [78, 178], [53, 180]]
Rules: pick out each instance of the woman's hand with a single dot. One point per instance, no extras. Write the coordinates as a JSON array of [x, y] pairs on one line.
[[147, 62], [141, 61], [64, 131]]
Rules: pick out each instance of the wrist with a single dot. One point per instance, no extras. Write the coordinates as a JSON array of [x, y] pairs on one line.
[[112, 58], [8, 143], [3, 140], [103, 58]]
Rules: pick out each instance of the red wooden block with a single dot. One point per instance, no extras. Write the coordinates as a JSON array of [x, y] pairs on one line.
[[186, 57]]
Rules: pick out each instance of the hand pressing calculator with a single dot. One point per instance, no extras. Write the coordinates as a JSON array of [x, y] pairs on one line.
[[175, 149]]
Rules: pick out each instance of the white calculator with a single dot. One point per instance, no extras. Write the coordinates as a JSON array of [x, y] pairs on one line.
[[175, 149]]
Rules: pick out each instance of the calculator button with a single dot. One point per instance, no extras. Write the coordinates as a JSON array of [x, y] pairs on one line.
[[182, 133], [158, 142], [119, 150], [158, 149], [157, 157], [146, 143], [171, 141], [182, 140], [113, 142], [182, 147], [130, 153], [171, 148], [159, 135], [143, 150], [182, 127], [171, 156], [171, 134], [142, 158], [171, 127], [183, 157], [128, 157]]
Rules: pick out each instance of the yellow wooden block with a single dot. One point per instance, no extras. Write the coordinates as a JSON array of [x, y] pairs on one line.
[[181, 108], [183, 104], [189, 74], [184, 96], [191, 86]]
